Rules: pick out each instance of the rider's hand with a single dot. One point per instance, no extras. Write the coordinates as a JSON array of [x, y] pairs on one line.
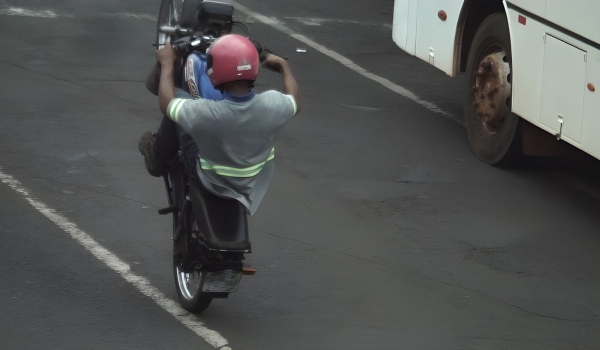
[[166, 55], [275, 63]]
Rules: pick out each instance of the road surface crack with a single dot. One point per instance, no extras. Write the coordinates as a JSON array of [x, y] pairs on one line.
[[541, 315]]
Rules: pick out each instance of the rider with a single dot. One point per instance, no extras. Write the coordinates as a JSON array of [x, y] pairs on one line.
[[232, 140]]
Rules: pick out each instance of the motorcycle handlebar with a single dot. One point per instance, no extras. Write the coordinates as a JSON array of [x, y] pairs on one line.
[[182, 49], [175, 30], [184, 46]]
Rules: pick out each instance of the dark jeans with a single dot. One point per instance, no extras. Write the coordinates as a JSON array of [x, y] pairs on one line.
[[170, 138]]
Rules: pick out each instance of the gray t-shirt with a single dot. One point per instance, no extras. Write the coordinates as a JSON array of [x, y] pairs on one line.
[[236, 138]]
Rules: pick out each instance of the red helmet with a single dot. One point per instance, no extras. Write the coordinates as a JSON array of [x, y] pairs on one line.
[[232, 57]]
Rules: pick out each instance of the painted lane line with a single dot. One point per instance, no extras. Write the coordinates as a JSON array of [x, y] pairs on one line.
[[317, 21], [143, 16], [274, 23], [22, 12], [17, 11], [142, 284]]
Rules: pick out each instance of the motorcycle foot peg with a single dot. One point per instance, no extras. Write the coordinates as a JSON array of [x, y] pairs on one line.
[[167, 210], [248, 271]]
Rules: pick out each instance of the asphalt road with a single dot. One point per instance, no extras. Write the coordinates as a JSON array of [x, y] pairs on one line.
[[380, 229]]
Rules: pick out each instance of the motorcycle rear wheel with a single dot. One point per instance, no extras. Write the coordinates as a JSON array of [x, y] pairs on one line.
[[188, 284]]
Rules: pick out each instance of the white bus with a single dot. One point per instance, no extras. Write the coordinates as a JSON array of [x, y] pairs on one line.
[[531, 65]]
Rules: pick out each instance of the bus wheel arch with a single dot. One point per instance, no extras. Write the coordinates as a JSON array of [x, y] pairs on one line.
[[472, 15]]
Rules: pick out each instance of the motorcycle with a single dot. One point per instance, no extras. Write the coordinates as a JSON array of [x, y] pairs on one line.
[[210, 233]]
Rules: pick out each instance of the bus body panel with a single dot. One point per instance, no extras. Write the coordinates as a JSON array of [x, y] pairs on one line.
[[580, 16], [535, 88], [537, 7], [400, 23], [527, 44], [435, 38], [411, 40], [563, 85], [404, 32], [419, 31], [590, 127]]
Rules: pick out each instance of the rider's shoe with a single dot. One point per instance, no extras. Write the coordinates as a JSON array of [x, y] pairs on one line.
[[145, 147]]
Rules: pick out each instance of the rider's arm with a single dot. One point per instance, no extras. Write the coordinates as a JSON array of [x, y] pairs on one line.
[[290, 87], [166, 88]]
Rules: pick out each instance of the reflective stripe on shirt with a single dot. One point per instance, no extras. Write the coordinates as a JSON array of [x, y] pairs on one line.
[[235, 172], [174, 107], [294, 103]]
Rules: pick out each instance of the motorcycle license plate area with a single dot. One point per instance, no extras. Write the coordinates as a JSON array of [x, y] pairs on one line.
[[221, 281]]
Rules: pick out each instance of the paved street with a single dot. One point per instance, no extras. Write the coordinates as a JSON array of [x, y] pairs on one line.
[[380, 229]]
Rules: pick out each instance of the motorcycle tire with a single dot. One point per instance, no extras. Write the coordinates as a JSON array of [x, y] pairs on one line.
[[494, 131], [169, 14], [188, 283]]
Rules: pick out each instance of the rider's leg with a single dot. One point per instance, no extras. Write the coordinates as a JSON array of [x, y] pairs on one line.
[[190, 152], [160, 148], [166, 141]]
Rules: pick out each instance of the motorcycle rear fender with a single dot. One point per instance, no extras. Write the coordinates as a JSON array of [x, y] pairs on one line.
[[223, 223]]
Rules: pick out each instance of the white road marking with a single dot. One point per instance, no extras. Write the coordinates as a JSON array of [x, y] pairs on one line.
[[317, 21], [130, 15], [142, 284], [17, 11], [274, 23]]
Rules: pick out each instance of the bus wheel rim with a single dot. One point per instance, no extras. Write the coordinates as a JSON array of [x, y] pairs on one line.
[[492, 90]]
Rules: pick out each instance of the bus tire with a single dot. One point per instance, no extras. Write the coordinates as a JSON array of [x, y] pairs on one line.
[[494, 131]]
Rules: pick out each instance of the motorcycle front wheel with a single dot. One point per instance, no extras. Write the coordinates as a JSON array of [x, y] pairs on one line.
[[169, 15]]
